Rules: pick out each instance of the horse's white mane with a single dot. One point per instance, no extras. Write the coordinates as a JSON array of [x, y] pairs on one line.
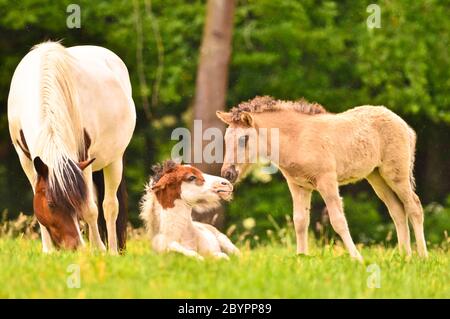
[[61, 139]]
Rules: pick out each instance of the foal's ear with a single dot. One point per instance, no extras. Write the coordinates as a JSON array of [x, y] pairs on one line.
[[82, 165], [40, 167], [224, 117], [158, 187], [246, 119]]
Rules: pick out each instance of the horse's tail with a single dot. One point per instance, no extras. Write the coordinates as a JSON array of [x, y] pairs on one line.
[[61, 139], [412, 143], [122, 218]]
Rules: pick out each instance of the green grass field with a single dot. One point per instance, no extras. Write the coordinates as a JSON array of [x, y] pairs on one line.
[[264, 272]]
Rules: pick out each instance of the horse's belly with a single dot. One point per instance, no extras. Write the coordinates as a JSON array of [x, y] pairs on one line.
[[357, 155], [110, 136], [355, 177], [108, 148], [356, 171], [110, 133]]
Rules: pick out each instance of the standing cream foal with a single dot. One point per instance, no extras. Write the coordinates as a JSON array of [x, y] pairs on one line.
[[320, 151]]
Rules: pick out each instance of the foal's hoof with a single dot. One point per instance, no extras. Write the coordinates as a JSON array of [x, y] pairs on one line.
[[237, 253], [222, 256]]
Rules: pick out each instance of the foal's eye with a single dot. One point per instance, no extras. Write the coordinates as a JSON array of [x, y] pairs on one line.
[[51, 205], [243, 140], [191, 178]]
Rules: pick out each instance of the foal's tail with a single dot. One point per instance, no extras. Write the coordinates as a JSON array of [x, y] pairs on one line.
[[122, 218], [412, 143]]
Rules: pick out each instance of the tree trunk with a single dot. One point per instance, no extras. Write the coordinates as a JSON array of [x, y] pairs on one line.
[[212, 81]]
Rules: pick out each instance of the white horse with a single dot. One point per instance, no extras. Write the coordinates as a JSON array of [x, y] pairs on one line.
[[68, 108]]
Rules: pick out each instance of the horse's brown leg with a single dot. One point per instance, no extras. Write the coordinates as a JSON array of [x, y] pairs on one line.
[[395, 207], [328, 188], [301, 199]]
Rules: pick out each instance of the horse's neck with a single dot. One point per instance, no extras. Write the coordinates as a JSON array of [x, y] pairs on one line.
[[176, 222]]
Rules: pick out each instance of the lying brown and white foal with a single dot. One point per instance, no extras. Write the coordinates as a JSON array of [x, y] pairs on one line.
[[166, 209]]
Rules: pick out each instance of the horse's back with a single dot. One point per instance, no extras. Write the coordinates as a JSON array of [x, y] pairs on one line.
[[377, 119], [375, 114], [361, 139], [104, 99], [108, 109], [101, 55], [395, 138]]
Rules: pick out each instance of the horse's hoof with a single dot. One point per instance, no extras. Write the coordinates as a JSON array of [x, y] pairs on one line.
[[358, 258]]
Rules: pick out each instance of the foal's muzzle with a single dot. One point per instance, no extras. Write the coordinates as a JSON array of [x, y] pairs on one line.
[[230, 174], [224, 189]]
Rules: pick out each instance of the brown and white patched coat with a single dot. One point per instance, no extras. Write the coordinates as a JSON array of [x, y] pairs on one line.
[[167, 205]]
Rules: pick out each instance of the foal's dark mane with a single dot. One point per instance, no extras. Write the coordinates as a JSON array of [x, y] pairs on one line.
[[262, 104], [159, 170]]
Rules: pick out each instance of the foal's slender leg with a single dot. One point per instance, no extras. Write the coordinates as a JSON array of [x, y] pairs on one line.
[[328, 188], [113, 177], [27, 166], [161, 244], [413, 208], [224, 242], [91, 213], [301, 199], [227, 245], [177, 247], [395, 207]]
